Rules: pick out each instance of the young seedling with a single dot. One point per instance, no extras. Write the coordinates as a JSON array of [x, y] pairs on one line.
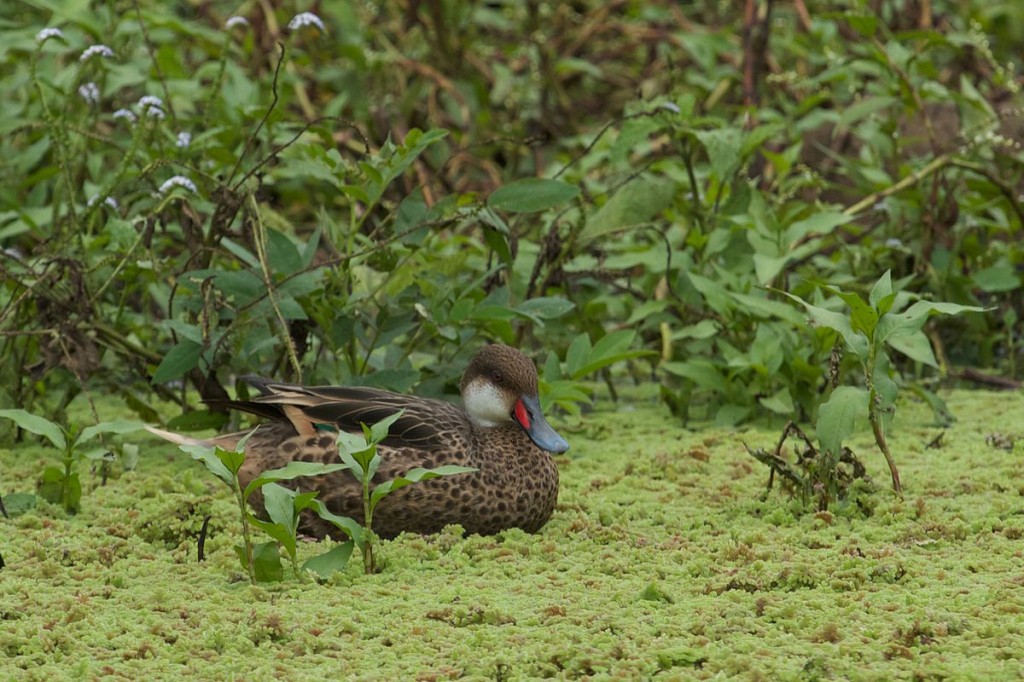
[[62, 485], [263, 561], [361, 457], [868, 330], [358, 454]]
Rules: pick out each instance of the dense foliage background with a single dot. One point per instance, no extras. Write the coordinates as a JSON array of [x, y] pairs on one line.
[[367, 194]]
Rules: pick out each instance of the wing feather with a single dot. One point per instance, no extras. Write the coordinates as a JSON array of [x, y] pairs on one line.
[[425, 424]]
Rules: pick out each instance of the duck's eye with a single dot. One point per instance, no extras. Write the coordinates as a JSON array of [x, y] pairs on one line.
[[496, 377]]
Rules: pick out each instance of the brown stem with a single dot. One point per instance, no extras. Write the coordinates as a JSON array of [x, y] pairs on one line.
[[876, 427], [756, 30]]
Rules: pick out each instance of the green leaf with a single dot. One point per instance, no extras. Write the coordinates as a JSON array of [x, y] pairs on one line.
[[646, 310], [864, 108], [700, 371], [282, 254], [704, 329], [179, 360], [635, 203], [767, 267], [38, 425], [838, 417], [609, 349], [714, 293], [280, 532], [819, 224], [578, 354], [499, 244], [943, 417], [19, 503], [546, 307], [780, 403], [856, 341], [760, 306], [267, 562], [379, 431], [350, 442], [530, 195], [915, 346], [863, 317], [231, 459], [863, 23], [997, 278], [50, 484], [914, 317], [117, 426], [292, 470], [349, 526], [208, 455], [723, 147], [881, 291], [53, 488], [331, 561], [415, 476], [280, 504], [73, 494]]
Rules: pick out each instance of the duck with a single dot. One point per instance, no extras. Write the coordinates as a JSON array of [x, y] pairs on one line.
[[500, 431]]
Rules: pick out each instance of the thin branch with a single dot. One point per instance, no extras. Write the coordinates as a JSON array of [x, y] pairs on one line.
[[260, 240], [266, 115], [870, 200]]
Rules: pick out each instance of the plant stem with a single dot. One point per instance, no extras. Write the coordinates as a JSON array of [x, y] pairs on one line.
[[246, 534], [65, 484], [875, 418], [876, 427], [368, 563]]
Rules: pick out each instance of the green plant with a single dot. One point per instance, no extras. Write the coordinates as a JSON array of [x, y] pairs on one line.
[[868, 330], [361, 458], [262, 562], [186, 201], [62, 485], [562, 383]]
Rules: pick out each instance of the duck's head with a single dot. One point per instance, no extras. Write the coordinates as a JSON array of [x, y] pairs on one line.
[[499, 386]]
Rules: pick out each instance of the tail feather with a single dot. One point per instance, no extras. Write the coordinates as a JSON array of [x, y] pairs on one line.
[[177, 438]]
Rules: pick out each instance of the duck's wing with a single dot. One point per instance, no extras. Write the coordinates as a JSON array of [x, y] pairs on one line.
[[424, 424]]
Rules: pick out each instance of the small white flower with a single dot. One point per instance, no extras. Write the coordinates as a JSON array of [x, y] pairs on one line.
[[48, 33], [109, 201], [101, 50], [177, 181], [90, 92], [232, 22], [126, 114], [894, 243], [184, 140], [671, 106], [306, 19], [150, 105]]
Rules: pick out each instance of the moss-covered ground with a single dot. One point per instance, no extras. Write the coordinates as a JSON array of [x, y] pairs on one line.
[[662, 560]]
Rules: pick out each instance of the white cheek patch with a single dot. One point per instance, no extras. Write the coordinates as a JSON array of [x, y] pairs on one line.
[[486, 405]]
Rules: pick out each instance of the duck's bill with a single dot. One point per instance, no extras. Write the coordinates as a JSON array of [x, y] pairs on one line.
[[531, 418]]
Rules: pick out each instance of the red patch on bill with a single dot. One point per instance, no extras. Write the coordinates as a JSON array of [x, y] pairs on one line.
[[522, 415]]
